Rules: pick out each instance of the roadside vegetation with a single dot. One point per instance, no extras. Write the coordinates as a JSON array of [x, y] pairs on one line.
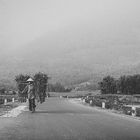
[[116, 93], [122, 94], [128, 85]]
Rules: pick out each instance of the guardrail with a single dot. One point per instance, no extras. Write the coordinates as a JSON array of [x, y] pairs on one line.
[[4, 99], [122, 103]]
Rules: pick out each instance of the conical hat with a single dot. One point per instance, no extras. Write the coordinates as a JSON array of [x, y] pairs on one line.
[[30, 80]]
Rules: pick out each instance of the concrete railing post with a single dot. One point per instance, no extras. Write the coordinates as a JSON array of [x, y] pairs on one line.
[[5, 101], [83, 100], [103, 105], [133, 111], [90, 102], [13, 100]]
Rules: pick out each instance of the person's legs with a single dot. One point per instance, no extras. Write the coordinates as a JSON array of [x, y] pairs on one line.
[[30, 104], [33, 105]]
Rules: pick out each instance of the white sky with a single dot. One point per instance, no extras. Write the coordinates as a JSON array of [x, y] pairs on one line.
[[99, 25]]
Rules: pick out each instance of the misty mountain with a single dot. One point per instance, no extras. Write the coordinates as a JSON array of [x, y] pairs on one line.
[[67, 61], [73, 41]]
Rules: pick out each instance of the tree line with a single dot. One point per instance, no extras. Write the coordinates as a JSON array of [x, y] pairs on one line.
[[126, 84], [39, 80], [58, 87]]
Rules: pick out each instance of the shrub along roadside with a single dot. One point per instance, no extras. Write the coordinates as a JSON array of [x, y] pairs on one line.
[[114, 102]]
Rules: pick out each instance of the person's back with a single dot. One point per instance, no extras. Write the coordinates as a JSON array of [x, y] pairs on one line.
[[31, 93]]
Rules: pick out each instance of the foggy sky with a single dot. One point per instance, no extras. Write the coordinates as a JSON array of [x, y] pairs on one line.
[[93, 29]]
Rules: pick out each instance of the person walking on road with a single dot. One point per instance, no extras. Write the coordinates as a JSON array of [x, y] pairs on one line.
[[31, 94]]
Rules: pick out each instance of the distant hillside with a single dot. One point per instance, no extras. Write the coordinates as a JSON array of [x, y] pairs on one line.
[[74, 42], [68, 72], [68, 77], [75, 56]]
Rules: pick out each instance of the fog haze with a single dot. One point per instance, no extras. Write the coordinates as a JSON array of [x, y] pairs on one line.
[[62, 36]]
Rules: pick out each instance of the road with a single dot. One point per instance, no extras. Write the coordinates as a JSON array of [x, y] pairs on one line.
[[61, 119]]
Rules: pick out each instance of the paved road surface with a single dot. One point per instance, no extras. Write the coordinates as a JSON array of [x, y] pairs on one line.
[[60, 119]]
